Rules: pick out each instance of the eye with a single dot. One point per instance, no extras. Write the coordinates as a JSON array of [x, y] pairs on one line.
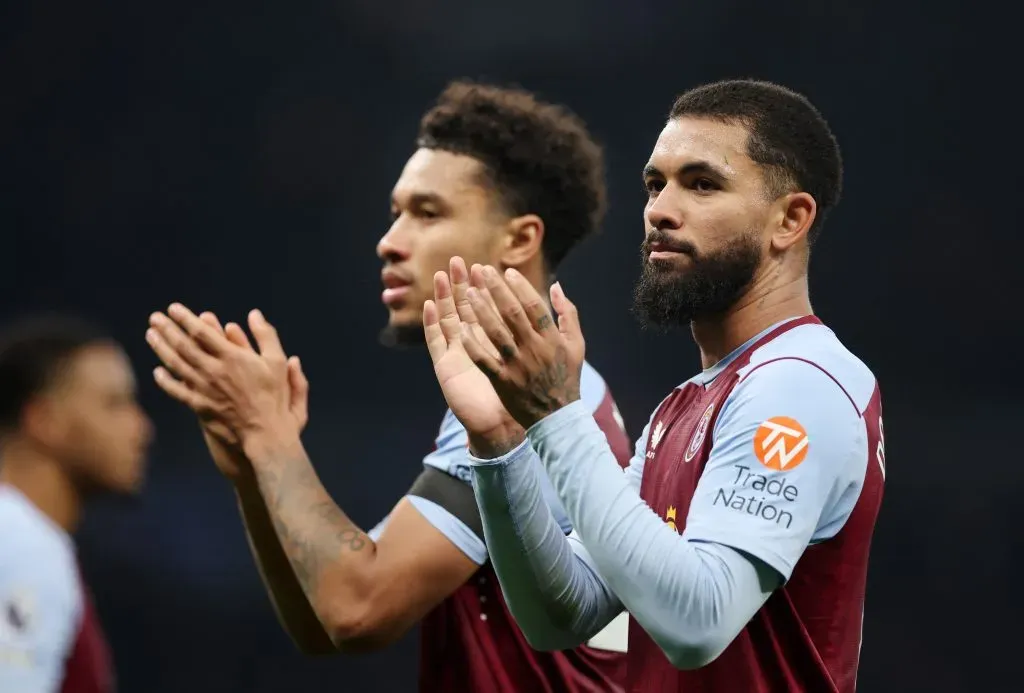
[[427, 213], [704, 185], [653, 186]]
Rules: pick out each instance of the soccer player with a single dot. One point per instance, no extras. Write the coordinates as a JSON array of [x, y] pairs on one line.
[[501, 178], [738, 538], [70, 427]]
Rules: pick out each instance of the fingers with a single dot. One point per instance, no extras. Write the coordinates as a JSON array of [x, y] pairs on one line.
[[236, 335], [266, 336], [509, 307], [537, 311], [483, 359], [179, 352], [299, 386], [568, 316], [476, 278], [437, 343], [448, 316], [492, 326], [180, 391], [459, 277], [211, 320], [208, 337]]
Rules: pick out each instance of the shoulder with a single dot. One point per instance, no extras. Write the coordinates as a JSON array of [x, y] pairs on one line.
[[40, 591], [33, 550], [802, 385], [449, 453], [808, 360]]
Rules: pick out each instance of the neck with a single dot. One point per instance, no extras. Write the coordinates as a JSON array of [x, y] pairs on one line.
[[40, 479], [757, 310]]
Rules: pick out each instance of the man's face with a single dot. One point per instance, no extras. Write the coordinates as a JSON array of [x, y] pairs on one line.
[[103, 432], [440, 207], [705, 223]]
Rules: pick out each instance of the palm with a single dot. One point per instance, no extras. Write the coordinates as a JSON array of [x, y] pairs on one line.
[[469, 393]]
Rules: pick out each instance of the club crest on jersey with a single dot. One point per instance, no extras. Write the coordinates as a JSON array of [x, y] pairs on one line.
[[697, 439], [670, 518]]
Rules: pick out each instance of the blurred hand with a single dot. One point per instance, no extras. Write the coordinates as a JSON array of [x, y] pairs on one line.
[[194, 385], [447, 320]]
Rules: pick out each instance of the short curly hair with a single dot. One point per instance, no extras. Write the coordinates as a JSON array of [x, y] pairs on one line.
[[35, 353], [538, 157], [789, 138]]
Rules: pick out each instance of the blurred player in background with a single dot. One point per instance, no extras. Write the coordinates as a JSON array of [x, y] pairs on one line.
[[70, 427], [498, 177], [738, 538]]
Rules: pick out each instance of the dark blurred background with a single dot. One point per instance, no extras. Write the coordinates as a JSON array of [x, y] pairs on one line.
[[234, 155]]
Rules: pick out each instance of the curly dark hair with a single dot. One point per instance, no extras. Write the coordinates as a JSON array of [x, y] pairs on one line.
[[789, 138], [538, 157], [34, 354]]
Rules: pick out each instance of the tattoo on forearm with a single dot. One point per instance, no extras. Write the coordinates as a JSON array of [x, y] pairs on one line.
[[313, 530]]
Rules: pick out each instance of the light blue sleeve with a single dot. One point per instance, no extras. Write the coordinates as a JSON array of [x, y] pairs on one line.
[[786, 467], [692, 598], [40, 608], [449, 456], [548, 580]]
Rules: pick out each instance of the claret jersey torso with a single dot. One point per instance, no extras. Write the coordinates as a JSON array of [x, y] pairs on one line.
[[777, 452], [470, 641]]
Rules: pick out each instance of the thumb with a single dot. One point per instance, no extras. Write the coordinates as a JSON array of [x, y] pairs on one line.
[[568, 319], [299, 388]]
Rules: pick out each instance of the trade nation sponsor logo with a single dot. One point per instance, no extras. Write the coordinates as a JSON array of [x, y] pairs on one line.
[[780, 445]]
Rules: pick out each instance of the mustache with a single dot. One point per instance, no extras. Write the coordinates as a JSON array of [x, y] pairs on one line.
[[666, 242]]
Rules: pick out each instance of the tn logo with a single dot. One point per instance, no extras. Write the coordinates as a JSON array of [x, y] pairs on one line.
[[780, 443]]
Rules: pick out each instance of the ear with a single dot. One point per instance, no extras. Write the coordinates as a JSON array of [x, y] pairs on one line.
[[522, 240], [40, 422], [796, 214]]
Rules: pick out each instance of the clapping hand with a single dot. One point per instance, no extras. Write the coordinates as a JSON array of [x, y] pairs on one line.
[[233, 389]]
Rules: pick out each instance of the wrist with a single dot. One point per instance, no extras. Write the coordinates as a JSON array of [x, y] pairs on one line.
[[498, 442], [266, 446]]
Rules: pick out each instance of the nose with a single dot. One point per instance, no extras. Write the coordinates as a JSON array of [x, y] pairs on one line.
[[664, 212], [392, 246]]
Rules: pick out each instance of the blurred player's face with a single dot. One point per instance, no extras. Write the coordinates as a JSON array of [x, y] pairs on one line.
[[705, 223], [100, 432], [440, 207]]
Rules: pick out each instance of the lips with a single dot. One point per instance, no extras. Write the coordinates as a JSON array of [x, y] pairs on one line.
[[660, 247], [665, 248], [395, 287]]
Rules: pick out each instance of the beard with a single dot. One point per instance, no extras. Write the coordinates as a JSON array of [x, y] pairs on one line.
[[402, 336], [666, 296]]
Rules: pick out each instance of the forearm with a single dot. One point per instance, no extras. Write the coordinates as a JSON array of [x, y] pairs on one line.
[[293, 609], [692, 598], [331, 558], [556, 598]]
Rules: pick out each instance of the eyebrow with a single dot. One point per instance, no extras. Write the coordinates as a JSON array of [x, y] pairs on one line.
[[705, 167], [420, 198]]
